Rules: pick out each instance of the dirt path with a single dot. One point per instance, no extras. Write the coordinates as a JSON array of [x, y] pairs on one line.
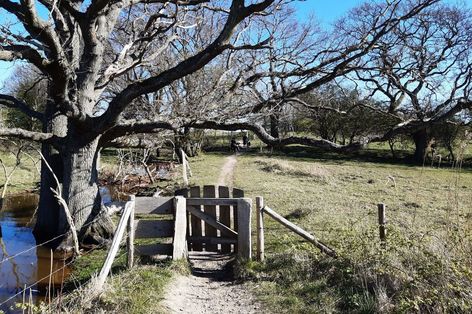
[[226, 174], [209, 289]]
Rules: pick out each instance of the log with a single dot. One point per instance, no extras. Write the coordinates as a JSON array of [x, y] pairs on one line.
[[382, 223], [307, 236]]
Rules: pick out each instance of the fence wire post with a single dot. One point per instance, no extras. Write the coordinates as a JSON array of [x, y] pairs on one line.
[[382, 223], [260, 228]]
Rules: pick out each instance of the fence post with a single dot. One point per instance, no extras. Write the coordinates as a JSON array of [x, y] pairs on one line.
[[382, 223], [260, 228], [244, 228], [180, 228], [184, 167], [130, 239], [115, 245]]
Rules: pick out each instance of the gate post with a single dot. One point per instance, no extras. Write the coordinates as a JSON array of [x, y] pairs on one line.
[[244, 228], [180, 228]]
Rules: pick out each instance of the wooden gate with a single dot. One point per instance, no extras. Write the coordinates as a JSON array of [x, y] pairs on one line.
[[219, 220]]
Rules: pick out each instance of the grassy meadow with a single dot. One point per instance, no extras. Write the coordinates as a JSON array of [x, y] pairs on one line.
[[425, 267]]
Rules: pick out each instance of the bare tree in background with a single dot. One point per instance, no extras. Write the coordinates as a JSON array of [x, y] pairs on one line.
[[422, 72]]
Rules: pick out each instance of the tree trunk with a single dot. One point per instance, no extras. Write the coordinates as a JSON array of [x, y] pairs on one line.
[[79, 179], [422, 140], [274, 125]]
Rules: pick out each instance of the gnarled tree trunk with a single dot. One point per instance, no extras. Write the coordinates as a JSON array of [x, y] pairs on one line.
[[422, 140]]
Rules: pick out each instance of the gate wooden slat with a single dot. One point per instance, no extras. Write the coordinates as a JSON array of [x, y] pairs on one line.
[[195, 222], [225, 215], [148, 229], [236, 194], [209, 191]]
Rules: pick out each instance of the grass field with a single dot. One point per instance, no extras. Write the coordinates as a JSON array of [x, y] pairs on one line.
[[425, 267]]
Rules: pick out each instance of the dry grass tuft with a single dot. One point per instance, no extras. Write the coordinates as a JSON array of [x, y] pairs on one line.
[[282, 167]]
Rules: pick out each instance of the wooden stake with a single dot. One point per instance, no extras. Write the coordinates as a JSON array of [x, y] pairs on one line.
[[382, 223], [131, 231], [323, 247], [260, 228]]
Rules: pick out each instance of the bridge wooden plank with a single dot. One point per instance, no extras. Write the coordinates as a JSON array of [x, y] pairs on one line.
[[148, 229], [154, 205], [154, 249], [214, 240], [195, 222], [211, 201], [225, 215], [209, 191]]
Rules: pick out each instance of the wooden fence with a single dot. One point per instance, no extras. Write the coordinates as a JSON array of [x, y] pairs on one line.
[[219, 220], [261, 210]]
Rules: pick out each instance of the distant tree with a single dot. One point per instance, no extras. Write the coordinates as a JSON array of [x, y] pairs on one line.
[[422, 71]]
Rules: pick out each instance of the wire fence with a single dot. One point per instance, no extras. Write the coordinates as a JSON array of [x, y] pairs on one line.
[[65, 265]]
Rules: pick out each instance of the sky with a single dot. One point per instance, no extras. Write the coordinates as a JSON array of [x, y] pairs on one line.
[[326, 11]]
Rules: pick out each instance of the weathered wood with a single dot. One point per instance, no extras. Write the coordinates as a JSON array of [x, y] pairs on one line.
[[184, 167], [237, 193], [148, 229], [214, 240], [382, 223], [130, 240], [154, 205], [180, 229], [195, 222], [244, 228], [154, 249], [225, 215], [209, 191], [212, 221], [260, 228], [211, 201], [299, 231], [115, 245]]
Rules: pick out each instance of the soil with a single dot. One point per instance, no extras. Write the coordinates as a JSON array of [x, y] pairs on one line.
[[226, 174], [210, 288]]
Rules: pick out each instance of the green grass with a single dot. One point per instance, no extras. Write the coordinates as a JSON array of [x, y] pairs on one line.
[[427, 263], [425, 267], [25, 176]]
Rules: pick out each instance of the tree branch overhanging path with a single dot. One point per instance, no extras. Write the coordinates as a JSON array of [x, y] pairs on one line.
[[85, 49]]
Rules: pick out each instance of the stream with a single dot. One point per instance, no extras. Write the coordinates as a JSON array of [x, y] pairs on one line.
[[22, 264]]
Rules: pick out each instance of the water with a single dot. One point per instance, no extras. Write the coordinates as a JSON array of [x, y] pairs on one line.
[[28, 268]]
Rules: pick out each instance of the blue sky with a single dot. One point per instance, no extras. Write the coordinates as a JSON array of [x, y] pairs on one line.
[[326, 11]]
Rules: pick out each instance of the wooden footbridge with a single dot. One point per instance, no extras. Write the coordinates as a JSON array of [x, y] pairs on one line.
[[211, 219]]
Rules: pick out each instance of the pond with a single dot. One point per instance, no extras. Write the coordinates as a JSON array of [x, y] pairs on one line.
[[22, 263]]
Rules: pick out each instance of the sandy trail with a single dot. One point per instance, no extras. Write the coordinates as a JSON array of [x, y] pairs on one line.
[[211, 287], [226, 174]]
